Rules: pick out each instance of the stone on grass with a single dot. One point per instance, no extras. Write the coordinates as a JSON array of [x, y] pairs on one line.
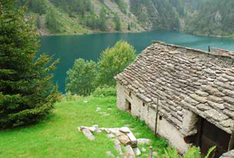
[[125, 130], [137, 151], [109, 153], [143, 141], [155, 153], [88, 134], [98, 109], [129, 153], [124, 139], [118, 147], [133, 140], [143, 149], [110, 135]]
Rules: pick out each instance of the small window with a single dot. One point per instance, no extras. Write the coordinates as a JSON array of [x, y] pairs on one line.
[[160, 117], [143, 104], [130, 94]]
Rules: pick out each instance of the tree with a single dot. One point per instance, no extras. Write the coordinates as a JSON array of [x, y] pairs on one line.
[[26, 88], [113, 61], [80, 79], [38, 22], [52, 22], [117, 23], [103, 25]]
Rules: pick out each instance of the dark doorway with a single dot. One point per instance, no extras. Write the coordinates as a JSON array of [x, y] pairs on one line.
[[209, 135], [128, 106]]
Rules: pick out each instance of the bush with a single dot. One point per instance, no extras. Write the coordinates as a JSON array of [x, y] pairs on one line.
[[104, 91], [113, 61], [80, 79]]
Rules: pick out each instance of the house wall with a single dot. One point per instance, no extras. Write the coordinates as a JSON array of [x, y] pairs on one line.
[[148, 114]]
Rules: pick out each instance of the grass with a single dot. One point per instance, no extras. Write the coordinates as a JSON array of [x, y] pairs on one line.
[[58, 137]]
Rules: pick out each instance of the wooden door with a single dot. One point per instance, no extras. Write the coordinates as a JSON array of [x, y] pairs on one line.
[[209, 135]]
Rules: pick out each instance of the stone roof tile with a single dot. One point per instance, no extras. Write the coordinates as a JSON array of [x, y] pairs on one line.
[[200, 81]]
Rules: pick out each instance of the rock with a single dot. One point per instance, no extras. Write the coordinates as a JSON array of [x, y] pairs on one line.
[[198, 98], [155, 153], [143, 149], [92, 129], [125, 130], [217, 116], [142, 141], [109, 153], [88, 134], [129, 153], [124, 139], [110, 135], [133, 140], [137, 151], [98, 109], [215, 99], [118, 147], [201, 93]]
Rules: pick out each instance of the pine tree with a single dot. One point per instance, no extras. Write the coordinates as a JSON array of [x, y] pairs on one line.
[[27, 93]]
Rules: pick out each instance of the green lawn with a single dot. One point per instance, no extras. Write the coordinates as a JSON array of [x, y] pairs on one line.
[[57, 136]]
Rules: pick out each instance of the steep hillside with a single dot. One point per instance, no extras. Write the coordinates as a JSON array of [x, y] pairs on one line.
[[213, 18], [208, 17], [81, 16]]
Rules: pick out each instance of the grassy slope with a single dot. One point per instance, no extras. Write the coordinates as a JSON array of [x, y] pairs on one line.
[[58, 135]]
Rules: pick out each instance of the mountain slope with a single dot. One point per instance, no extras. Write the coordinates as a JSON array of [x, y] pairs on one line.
[[208, 17]]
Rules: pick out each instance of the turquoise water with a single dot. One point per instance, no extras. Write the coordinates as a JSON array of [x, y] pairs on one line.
[[70, 47]]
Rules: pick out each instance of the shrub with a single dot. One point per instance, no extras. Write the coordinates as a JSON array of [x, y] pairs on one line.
[[113, 61], [80, 79]]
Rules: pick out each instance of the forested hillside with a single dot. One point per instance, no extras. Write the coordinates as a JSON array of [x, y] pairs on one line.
[[208, 17], [213, 17]]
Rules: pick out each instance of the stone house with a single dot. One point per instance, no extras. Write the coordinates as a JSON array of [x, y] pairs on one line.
[[186, 95]]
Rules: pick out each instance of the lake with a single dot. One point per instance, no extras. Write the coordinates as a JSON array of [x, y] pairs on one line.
[[71, 47]]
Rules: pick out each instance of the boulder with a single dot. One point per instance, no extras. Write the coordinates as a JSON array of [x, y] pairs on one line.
[[125, 130], [118, 147], [124, 139], [129, 153], [109, 153], [88, 134], [137, 151]]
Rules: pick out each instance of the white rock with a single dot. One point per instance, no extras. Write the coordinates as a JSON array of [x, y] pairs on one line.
[[125, 130], [143, 149], [142, 141], [110, 135], [109, 153], [124, 139], [98, 109], [132, 139], [88, 134], [129, 153], [155, 153], [118, 147], [137, 151]]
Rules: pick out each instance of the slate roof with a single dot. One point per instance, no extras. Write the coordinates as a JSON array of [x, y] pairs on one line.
[[184, 78]]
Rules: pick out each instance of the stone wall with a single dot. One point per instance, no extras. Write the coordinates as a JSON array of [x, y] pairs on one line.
[[148, 114]]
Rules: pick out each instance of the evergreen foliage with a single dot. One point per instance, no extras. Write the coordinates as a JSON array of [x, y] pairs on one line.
[[37, 6], [52, 22], [117, 21], [26, 88], [80, 79], [213, 17], [113, 61]]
